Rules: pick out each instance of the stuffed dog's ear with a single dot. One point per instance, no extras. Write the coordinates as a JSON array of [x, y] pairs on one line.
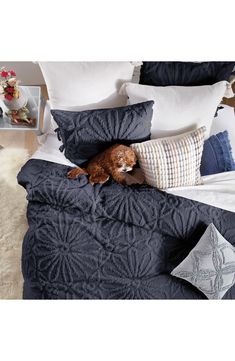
[[120, 154]]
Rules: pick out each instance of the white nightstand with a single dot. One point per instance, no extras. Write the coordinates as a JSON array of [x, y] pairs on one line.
[[33, 94]]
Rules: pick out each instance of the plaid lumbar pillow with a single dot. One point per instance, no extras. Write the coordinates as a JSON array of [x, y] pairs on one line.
[[173, 161]]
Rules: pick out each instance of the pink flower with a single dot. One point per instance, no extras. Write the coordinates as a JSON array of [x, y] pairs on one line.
[[10, 90], [12, 73], [8, 96], [4, 74]]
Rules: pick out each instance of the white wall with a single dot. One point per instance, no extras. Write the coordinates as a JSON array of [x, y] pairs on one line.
[[28, 72]]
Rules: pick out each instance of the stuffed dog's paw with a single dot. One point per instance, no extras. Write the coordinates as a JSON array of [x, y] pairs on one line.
[[98, 179], [76, 172]]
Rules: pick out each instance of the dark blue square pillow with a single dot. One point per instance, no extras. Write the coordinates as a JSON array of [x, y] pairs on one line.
[[217, 155], [84, 134], [165, 73]]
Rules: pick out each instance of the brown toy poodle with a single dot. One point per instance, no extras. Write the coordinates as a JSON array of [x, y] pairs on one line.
[[114, 161]]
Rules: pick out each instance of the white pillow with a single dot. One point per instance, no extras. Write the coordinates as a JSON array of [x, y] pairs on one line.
[[47, 127], [86, 85], [179, 109], [225, 120]]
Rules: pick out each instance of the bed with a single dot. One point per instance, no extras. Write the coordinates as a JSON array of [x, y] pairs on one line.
[[129, 239], [112, 241]]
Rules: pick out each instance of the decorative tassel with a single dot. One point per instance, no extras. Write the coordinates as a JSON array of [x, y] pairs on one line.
[[57, 131], [122, 90], [137, 63], [61, 148], [229, 91]]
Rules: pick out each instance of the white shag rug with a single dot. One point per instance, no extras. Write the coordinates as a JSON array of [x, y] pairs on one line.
[[13, 223]]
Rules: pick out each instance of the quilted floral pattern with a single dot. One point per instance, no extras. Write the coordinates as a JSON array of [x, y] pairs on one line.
[[85, 134], [110, 241], [185, 73]]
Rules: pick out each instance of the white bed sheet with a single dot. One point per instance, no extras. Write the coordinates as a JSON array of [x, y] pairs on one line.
[[50, 151], [217, 190]]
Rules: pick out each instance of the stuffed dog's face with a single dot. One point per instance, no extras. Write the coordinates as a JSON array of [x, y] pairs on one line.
[[125, 159]]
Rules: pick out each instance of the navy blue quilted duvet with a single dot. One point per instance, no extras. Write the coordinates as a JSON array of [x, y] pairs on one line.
[[109, 241], [164, 73]]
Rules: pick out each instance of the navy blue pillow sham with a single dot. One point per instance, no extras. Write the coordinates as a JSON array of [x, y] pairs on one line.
[[184, 73], [84, 134], [217, 155]]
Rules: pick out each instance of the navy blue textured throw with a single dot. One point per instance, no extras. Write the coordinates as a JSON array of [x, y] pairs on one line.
[[109, 241]]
